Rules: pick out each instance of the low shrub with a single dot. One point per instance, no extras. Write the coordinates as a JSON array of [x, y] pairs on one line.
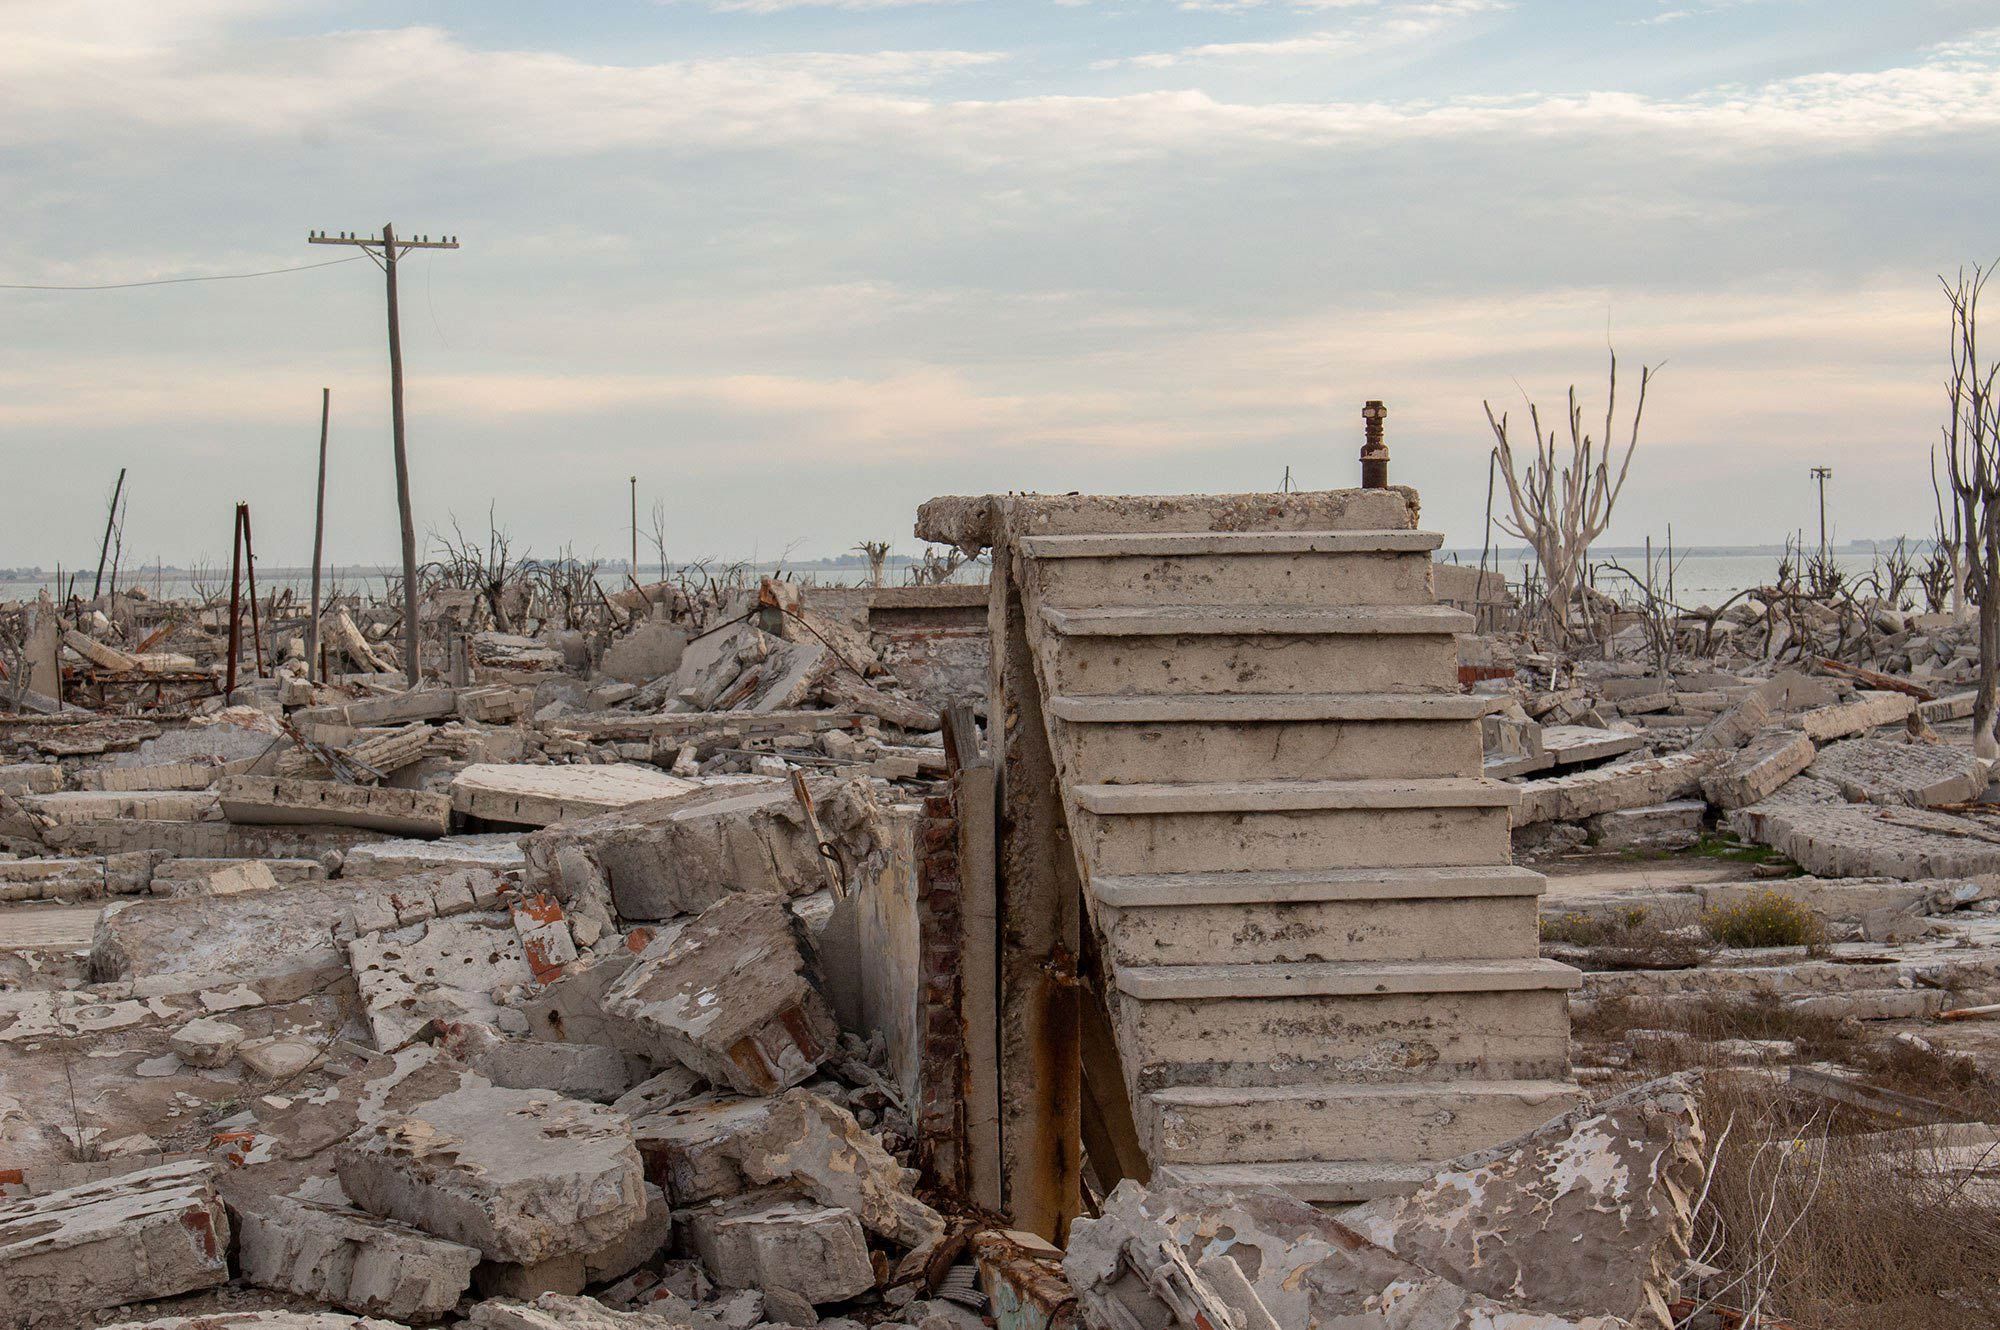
[[1768, 919]]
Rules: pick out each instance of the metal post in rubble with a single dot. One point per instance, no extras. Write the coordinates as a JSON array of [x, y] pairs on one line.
[[319, 537], [385, 250], [110, 518], [1374, 452], [250, 575]]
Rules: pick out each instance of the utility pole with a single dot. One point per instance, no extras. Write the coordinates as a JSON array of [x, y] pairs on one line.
[[105, 548], [1822, 474], [386, 250], [319, 537], [635, 531]]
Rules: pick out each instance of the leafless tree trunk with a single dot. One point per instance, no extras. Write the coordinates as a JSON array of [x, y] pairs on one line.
[[1972, 464], [1560, 512], [877, 552]]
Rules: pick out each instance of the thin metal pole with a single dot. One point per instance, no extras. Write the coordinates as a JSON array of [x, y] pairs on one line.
[[105, 548], [250, 573], [319, 537]]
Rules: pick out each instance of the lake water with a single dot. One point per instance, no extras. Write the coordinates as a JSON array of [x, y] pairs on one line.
[[1700, 575]]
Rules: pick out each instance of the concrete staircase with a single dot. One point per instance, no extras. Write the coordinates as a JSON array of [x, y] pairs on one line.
[[1322, 967]]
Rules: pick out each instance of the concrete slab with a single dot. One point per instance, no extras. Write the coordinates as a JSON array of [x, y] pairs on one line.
[[264, 801], [1885, 772], [138, 1236], [540, 796], [727, 995], [522, 1175]]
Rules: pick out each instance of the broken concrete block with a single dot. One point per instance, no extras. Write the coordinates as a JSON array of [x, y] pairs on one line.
[[1752, 773], [394, 858], [1176, 1256], [1872, 840], [660, 1092], [1879, 771], [1734, 727], [522, 1175], [680, 856], [694, 1148], [279, 1059], [437, 969], [1669, 826], [267, 1320], [727, 995], [147, 1234], [1603, 789], [532, 796], [580, 1071], [206, 1042], [268, 800], [245, 875], [352, 1259], [494, 704], [572, 1272], [779, 1242], [30, 778], [817, 1145], [1866, 711], [650, 651], [1587, 1215], [555, 1311]]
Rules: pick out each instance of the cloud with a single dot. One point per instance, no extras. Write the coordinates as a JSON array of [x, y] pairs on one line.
[[1405, 22], [374, 87], [780, 6]]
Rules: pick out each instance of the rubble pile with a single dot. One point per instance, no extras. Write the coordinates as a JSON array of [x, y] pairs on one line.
[[578, 986], [460, 1001]]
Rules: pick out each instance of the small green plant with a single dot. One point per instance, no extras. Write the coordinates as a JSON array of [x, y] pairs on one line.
[[1733, 851], [1768, 919]]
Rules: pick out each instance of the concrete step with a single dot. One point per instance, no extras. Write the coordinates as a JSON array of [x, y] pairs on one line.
[[1394, 1123], [1250, 708], [1312, 885], [1151, 983], [1281, 796], [1282, 825], [1165, 544], [1440, 929], [1427, 914], [1463, 1020], [1307, 1180], [1334, 736], [1217, 650], [1155, 620], [1234, 568]]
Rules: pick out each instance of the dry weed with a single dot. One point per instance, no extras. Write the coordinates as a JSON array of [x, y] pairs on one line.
[[1828, 1232]]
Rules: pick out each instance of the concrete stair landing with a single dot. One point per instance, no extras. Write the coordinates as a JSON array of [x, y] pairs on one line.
[[1322, 965]]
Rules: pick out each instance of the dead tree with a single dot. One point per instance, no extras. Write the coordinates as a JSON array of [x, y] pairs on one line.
[[1972, 466], [1560, 512], [877, 554]]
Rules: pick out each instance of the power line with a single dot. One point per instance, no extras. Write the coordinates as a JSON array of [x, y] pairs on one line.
[[170, 281]]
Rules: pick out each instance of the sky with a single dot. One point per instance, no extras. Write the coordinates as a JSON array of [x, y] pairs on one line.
[[799, 265]]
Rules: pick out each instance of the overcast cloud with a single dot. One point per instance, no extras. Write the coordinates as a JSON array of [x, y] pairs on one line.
[[801, 264]]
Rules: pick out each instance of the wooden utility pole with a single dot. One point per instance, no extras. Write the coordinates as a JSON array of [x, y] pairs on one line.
[[109, 519], [386, 250], [635, 530], [1822, 474], [235, 604], [319, 538]]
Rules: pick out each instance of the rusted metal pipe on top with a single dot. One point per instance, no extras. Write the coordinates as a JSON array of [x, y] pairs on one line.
[[1374, 451]]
